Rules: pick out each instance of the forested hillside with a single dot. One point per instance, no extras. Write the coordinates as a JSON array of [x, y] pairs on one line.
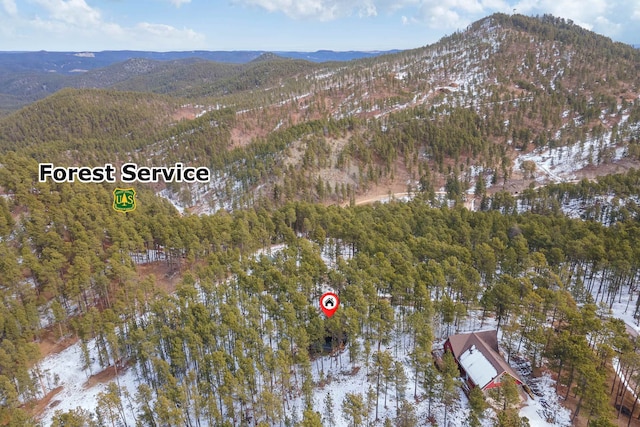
[[242, 331], [510, 101], [515, 144]]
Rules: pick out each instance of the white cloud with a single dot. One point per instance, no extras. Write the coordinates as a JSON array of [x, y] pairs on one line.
[[499, 5], [74, 12], [448, 14], [169, 32], [437, 16], [605, 26], [75, 25], [178, 3], [602, 16], [606, 17], [322, 10], [582, 12], [325, 10], [10, 7], [451, 14], [319, 9], [368, 9]]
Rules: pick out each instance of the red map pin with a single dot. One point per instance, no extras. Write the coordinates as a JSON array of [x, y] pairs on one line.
[[329, 303]]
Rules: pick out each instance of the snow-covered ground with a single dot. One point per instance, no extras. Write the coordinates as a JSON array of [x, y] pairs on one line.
[[173, 199], [545, 410], [65, 369], [338, 376], [342, 378], [335, 375], [560, 164], [623, 307], [205, 198], [607, 213]]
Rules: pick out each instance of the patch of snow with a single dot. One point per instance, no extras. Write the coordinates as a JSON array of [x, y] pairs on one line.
[[270, 251], [545, 410], [324, 75], [560, 164], [343, 377], [151, 255], [398, 197], [170, 197], [64, 369]]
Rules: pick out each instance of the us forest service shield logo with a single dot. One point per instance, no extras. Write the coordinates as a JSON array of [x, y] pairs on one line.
[[124, 199]]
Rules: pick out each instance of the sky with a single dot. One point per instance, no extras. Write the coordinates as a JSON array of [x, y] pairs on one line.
[[278, 25]]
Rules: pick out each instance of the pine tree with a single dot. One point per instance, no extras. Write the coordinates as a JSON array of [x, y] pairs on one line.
[[310, 418], [449, 384], [74, 418], [328, 415], [353, 409]]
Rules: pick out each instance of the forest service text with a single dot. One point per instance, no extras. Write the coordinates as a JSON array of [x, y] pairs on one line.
[[129, 172]]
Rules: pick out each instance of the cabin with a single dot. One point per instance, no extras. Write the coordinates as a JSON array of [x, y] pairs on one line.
[[479, 359]]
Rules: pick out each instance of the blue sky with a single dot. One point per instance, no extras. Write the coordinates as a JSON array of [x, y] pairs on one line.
[[162, 25]]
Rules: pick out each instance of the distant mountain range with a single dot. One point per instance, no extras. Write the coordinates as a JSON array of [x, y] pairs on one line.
[[29, 76], [77, 62]]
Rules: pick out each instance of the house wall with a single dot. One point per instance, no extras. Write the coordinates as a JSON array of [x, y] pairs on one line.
[[493, 384], [497, 381], [447, 347]]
